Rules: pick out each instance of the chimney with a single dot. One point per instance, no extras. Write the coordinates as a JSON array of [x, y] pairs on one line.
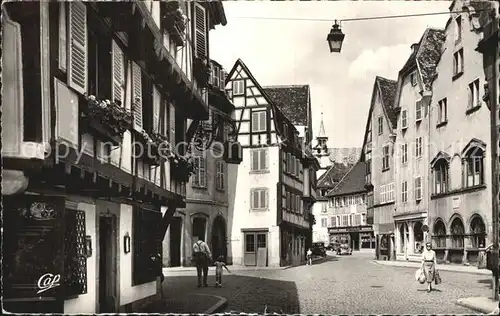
[[414, 47]]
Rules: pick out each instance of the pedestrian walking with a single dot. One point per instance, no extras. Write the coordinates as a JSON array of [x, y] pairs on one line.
[[201, 257], [309, 256], [429, 263], [219, 264]]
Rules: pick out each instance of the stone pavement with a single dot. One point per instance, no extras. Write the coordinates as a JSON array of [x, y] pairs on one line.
[[440, 267], [483, 305]]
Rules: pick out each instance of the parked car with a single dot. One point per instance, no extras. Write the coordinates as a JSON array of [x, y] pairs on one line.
[[318, 249], [344, 250]]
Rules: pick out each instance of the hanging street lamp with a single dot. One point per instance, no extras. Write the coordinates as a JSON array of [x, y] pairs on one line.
[[335, 38]]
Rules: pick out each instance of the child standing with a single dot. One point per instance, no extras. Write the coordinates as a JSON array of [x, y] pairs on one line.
[[219, 264]]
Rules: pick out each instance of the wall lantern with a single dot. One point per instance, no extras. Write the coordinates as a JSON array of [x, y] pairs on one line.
[[88, 246], [335, 38], [126, 243]]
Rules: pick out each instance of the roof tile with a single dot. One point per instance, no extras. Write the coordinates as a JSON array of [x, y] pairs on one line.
[[333, 175], [292, 101], [353, 181], [388, 89]]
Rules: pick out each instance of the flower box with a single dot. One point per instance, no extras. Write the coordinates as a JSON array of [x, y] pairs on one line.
[[107, 119], [201, 71], [153, 147], [175, 22], [181, 167]]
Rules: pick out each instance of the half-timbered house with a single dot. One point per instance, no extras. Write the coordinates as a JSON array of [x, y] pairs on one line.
[[270, 205], [96, 95]]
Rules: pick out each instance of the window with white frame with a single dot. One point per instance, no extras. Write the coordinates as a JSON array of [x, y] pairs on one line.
[[458, 62], [473, 94], [404, 153], [220, 175], [385, 158], [380, 125], [473, 166], [259, 198], [418, 111], [413, 78], [383, 196], [390, 192], [443, 111], [404, 119], [199, 178], [418, 147], [259, 121], [418, 188], [440, 176], [238, 87], [259, 159], [345, 220], [323, 222], [404, 191], [333, 221]]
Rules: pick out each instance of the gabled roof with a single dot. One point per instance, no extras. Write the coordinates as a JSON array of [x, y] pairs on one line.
[[386, 89], [425, 58], [280, 119], [333, 175], [352, 182], [292, 101]]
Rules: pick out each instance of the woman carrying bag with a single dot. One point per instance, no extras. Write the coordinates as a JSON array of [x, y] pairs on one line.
[[428, 268]]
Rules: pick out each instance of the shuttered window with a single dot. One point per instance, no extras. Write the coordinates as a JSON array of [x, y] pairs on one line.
[[118, 70], [63, 46], [200, 30], [259, 121], [200, 175], [259, 198], [220, 175], [259, 159], [156, 110], [223, 75], [78, 45], [137, 96]]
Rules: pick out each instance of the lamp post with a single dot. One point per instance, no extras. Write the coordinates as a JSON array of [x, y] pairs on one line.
[[335, 38]]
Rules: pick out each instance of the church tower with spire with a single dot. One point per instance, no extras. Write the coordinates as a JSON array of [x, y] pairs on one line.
[[321, 151]]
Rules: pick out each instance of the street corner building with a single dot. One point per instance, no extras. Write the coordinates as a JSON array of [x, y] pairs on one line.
[[95, 97], [206, 213], [275, 185], [347, 212]]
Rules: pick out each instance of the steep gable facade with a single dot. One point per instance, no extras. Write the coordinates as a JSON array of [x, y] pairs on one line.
[[268, 210], [411, 161], [378, 153]]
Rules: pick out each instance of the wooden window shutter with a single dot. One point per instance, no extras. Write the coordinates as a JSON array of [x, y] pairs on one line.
[[78, 45], [262, 198], [263, 159], [255, 121], [156, 110], [117, 68], [255, 160], [200, 30], [171, 124], [223, 75], [262, 121], [254, 198], [137, 96], [195, 178], [203, 171]]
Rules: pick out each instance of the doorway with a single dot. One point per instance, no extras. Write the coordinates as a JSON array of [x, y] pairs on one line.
[[255, 249], [175, 241], [219, 246], [107, 265], [355, 241]]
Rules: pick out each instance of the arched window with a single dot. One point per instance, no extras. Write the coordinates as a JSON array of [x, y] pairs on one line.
[[473, 167], [439, 234], [478, 232], [441, 176], [457, 233]]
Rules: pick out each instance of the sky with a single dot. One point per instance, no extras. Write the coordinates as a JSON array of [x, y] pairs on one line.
[[294, 52]]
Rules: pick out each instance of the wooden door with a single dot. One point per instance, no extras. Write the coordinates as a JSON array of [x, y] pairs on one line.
[[262, 249], [250, 250]]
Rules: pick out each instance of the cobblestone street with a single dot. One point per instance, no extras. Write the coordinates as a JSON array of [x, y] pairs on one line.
[[337, 285]]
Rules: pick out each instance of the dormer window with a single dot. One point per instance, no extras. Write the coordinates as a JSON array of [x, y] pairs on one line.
[[413, 79], [238, 87]]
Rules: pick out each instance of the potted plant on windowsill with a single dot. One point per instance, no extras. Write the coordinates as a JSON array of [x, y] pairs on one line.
[[108, 119], [181, 167], [175, 21], [155, 147], [201, 71]]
